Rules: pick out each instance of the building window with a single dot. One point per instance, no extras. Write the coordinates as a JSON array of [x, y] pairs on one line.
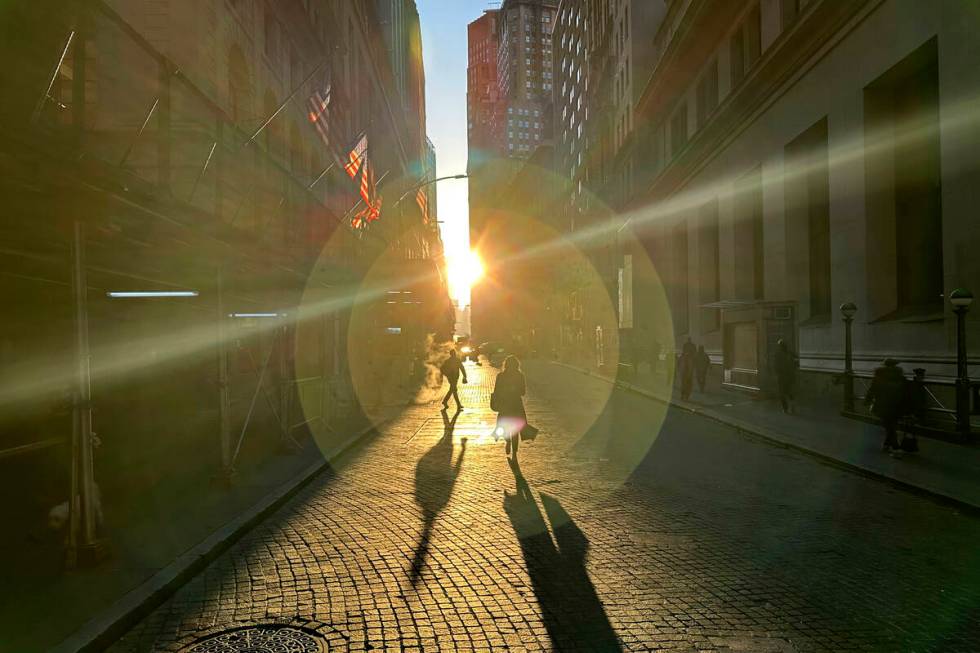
[[807, 197], [678, 130], [680, 305], [709, 265], [750, 269], [903, 182], [707, 93], [746, 45]]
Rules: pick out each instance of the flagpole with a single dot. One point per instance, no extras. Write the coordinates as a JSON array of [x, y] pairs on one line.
[[284, 103], [320, 176]]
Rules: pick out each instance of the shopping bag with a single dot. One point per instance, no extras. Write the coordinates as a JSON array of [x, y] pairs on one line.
[[528, 432]]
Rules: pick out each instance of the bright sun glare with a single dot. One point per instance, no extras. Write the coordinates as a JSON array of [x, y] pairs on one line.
[[464, 271]]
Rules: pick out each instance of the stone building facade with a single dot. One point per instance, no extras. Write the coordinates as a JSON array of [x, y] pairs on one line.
[[811, 154]]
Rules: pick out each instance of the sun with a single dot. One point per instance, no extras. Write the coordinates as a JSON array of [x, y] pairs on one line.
[[464, 271]]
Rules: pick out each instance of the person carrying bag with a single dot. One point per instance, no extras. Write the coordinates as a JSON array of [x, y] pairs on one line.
[[507, 400]]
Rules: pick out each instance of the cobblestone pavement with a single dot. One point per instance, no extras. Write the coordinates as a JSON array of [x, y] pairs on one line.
[[426, 539]]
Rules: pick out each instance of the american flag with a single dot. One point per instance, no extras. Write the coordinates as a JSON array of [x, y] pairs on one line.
[[368, 214], [375, 212], [359, 221], [423, 201], [368, 188], [319, 114], [356, 156]]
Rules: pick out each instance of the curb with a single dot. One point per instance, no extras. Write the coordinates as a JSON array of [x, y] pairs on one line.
[[771, 437], [104, 629]]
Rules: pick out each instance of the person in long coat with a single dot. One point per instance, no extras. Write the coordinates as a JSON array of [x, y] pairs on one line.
[[702, 363], [785, 369], [886, 397], [508, 398], [686, 363]]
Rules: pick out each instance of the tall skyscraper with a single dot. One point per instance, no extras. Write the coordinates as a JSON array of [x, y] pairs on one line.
[[481, 87], [525, 77]]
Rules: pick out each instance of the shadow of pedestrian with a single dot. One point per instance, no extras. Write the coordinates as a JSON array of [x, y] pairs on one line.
[[435, 478], [570, 607]]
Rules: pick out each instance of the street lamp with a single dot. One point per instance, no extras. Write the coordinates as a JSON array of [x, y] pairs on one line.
[[961, 300], [426, 182], [847, 310]]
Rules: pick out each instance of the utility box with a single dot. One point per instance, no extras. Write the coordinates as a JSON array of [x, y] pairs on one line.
[[751, 331]]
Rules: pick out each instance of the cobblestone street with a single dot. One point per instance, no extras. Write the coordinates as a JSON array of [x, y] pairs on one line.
[[426, 539]]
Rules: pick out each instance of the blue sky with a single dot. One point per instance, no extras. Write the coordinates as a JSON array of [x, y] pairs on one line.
[[444, 51]]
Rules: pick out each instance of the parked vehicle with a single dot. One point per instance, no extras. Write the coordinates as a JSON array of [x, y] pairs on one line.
[[467, 350], [495, 352]]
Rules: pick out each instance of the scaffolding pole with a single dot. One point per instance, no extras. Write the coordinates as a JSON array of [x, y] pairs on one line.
[[90, 549], [227, 472]]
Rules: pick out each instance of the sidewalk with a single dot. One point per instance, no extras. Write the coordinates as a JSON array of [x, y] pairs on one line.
[[947, 471], [154, 551]]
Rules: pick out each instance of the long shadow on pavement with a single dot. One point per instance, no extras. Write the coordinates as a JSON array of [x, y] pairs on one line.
[[435, 478], [570, 607]]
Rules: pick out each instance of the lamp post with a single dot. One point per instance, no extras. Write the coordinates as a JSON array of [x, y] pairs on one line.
[[426, 182], [847, 310], [961, 300]]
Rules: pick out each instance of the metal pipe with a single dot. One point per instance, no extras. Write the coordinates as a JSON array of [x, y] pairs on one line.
[[83, 404], [146, 121], [54, 75], [283, 383], [224, 400], [71, 549], [204, 169], [321, 175]]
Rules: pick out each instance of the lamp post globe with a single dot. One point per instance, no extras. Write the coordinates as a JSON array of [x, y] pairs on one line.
[[961, 298]]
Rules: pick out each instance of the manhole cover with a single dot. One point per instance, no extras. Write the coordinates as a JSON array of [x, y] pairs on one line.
[[259, 639]]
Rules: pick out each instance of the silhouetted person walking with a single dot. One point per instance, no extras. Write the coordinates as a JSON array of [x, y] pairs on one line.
[[688, 354], [702, 362], [451, 369], [508, 400], [784, 365], [885, 396], [916, 407]]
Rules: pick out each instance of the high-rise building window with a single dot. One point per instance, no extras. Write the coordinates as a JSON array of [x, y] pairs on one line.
[[746, 45], [680, 304], [806, 193], [707, 93], [750, 281], [903, 182], [709, 267]]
